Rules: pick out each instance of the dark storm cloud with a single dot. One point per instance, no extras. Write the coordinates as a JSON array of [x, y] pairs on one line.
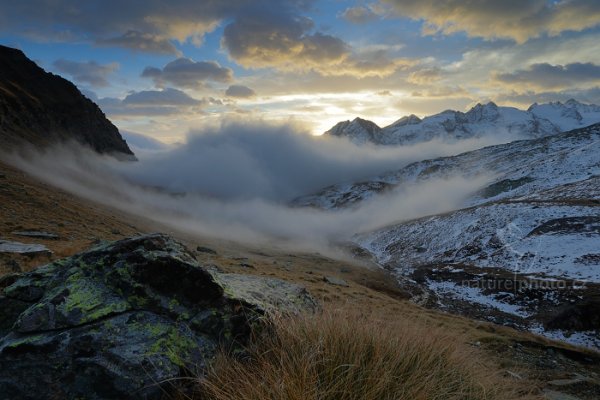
[[184, 72], [545, 75], [239, 91], [89, 72], [516, 19]]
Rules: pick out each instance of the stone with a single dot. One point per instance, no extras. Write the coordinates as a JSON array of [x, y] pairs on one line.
[[332, 280], [23, 248], [207, 250], [37, 235], [124, 319], [554, 395]]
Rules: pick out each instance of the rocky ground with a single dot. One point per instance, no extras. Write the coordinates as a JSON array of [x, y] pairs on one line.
[[558, 370]]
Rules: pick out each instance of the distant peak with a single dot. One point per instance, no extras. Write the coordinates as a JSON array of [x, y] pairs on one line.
[[365, 123], [489, 104], [411, 119], [480, 112]]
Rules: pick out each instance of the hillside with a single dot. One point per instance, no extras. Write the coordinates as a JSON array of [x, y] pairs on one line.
[[522, 252], [539, 364], [37, 107]]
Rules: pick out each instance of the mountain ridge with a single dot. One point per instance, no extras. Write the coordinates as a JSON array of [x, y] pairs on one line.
[[40, 108], [481, 120]]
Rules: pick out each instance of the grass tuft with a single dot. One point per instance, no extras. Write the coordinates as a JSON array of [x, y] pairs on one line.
[[344, 355]]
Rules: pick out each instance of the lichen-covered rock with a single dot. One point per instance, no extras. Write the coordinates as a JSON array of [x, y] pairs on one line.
[[122, 319]]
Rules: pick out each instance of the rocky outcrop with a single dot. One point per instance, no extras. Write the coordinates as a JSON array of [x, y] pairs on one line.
[[41, 108], [121, 320]]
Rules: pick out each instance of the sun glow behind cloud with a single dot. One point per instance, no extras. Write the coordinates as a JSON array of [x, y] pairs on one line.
[[321, 111]]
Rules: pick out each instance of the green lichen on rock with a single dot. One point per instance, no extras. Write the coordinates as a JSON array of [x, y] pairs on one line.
[[117, 319]]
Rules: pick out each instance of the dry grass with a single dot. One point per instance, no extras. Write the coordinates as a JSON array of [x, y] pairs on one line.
[[344, 355]]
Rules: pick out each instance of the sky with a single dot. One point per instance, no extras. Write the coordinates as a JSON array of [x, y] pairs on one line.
[[163, 68]]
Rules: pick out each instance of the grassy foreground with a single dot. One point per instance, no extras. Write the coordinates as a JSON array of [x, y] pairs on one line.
[[342, 355]]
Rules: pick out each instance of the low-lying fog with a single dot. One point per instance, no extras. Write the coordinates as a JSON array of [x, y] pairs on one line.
[[235, 181]]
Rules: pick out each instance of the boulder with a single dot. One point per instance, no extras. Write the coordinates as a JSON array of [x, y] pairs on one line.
[[124, 319], [28, 249]]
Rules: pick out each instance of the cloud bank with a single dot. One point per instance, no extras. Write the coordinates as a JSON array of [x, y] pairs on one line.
[[86, 72], [235, 181], [188, 73], [545, 75], [515, 19]]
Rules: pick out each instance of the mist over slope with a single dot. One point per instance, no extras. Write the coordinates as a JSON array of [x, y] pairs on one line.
[[235, 181], [258, 160]]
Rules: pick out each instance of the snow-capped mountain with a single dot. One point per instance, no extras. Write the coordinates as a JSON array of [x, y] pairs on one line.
[[523, 251], [360, 131], [481, 120], [569, 115], [520, 168]]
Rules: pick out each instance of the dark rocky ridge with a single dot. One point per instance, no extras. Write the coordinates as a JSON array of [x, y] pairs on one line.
[[41, 108]]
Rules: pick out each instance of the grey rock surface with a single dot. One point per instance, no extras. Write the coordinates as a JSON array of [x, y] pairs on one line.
[[122, 319]]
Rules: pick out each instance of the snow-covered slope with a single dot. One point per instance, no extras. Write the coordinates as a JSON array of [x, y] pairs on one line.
[[569, 115], [520, 168], [523, 251], [359, 131], [482, 120]]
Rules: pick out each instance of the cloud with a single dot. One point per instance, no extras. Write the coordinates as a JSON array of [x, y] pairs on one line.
[[233, 182], [176, 106], [515, 19], [168, 96], [145, 42], [526, 98], [154, 103], [268, 40], [241, 159], [258, 34], [438, 91], [143, 27], [240, 91], [89, 72], [288, 43], [187, 73], [359, 15], [547, 76], [425, 75], [143, 142]]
